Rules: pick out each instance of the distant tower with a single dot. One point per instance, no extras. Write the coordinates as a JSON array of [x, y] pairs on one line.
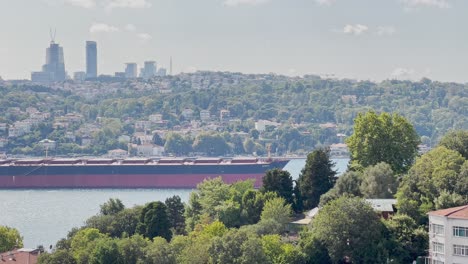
[[54, 69], [170, 66], [131, 71], [149, 70], [91, 59]]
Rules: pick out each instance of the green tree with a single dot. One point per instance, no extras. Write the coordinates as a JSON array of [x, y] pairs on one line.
[[313, 249], [154, 221], [132, 249], [408, 240], [175, 214], [157, 140], [348, 184], [105, 251], [378, 181], [383, 138], [83, 242], [211, 144], [349, 228], [177, 144], [316, 178], [112, 207], [159, 252], [279, 182], [439, 171], [9, 238], [60, 256], [456, 140], [278, 252], [278, 211]]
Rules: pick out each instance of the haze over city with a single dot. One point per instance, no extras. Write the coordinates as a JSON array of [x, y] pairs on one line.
[[362, 39]]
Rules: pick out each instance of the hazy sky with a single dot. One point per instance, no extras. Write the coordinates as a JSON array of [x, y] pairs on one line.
[[363, 39]]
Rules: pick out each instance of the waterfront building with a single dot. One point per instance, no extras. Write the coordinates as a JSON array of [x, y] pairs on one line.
[[91, 59], [448, 236]]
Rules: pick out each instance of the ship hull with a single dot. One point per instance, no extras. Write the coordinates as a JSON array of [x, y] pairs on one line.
[[129, 176]]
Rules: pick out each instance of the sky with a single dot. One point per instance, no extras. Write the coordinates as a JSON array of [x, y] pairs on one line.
[[359, 39]]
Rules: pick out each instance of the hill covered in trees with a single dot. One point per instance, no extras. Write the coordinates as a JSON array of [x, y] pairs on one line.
[[297, 106]]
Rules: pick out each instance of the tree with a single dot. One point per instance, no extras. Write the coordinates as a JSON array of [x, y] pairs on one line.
[[316, 178], [60, 256], [112, 207], [279, 182], [213, 145], [159, 252], [154, 221], [236, 246], [9, 238], [157, 140], [349, 228], [83, 242], [177, 144], [437, 173], [278, 252], [105, 251], [132, 249], [278, 211], [456, 140], [408, 241], [383, 138], [379, 182], [175, 214]]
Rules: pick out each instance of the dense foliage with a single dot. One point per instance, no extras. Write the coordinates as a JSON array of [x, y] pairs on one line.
[[383, 138], [432, 107]]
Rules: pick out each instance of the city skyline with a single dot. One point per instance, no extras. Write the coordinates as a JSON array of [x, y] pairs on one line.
[[358, 39]]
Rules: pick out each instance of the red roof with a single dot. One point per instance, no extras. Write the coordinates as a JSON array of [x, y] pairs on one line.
[[460, 212]]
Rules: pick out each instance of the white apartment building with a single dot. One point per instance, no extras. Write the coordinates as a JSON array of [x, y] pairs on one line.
[[448, 236]]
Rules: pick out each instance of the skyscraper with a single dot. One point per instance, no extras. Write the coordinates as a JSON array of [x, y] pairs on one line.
[[91, 59], [149, 70], [131, 71], [54, 69]]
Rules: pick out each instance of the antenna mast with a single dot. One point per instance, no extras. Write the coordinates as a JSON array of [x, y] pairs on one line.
[[52, 35]]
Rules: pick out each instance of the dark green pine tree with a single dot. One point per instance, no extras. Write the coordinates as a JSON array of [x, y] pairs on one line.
[[316, 178], [154, 221], [175, 214], [279, 182]]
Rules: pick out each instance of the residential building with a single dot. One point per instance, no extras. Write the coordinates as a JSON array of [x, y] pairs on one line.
[[386, 208], [20, 256], [448, 236], [261, 125], [205, 115], [91, 59]]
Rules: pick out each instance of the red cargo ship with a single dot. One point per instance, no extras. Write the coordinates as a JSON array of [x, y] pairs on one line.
[[130, 173]]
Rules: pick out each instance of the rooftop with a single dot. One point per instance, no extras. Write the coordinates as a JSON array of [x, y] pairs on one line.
[[460, 212]]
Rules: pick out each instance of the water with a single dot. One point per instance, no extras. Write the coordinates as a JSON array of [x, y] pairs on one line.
[[45, 216]]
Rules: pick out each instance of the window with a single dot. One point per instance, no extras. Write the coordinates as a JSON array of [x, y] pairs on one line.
[[437, 229], [435, 261], [460, 250], [460, 231], [438, 247]]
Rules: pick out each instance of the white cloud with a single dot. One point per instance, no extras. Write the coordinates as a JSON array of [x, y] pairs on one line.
[[386, 30], [130, 27], [356, 29], [403, 74], [244, 2], [325, 2], [427, 3], [82, 3], [144, 36], [102, 28], [127, 4]]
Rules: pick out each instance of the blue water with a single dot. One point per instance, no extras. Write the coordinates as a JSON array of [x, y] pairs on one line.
[[45, 216]]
